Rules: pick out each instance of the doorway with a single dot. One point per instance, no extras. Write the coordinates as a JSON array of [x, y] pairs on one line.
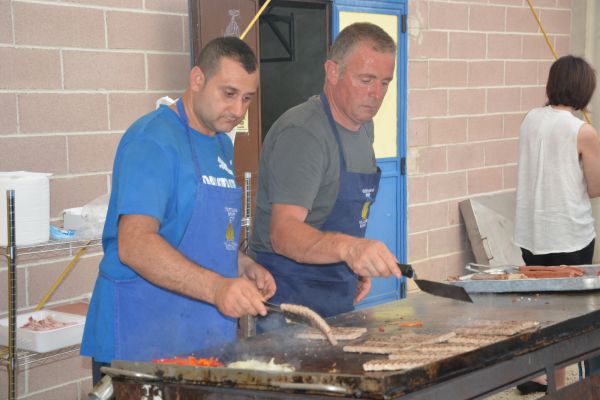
[[294, 40]]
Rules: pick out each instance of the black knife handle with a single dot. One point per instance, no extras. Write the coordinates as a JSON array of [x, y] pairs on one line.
[[406, 270]]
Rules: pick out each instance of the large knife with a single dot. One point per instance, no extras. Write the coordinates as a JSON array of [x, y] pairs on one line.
[[436, 288]]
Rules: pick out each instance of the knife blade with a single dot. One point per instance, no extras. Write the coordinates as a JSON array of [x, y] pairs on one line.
[[436, 288]]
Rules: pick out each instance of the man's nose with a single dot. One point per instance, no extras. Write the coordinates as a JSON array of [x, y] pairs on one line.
[[378, 91], [238, 108]]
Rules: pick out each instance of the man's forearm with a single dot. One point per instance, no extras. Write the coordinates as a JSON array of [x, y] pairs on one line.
[[303, 243], [293, 238], [157, 261]]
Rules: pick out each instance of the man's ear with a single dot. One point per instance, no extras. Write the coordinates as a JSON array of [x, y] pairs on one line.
[[332, 71], [197, 78]]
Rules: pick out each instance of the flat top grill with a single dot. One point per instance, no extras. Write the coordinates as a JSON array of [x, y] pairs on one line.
[[326, 369]]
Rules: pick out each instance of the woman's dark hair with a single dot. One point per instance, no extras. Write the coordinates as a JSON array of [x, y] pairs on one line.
[[571, 82]]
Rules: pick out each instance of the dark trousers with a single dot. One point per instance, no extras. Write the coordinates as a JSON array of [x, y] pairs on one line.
[[580, 257]]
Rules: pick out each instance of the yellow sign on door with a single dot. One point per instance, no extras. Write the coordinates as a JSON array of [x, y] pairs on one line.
[[243, 126]]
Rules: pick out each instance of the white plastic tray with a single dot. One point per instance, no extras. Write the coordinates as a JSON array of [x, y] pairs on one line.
[[44, 341]]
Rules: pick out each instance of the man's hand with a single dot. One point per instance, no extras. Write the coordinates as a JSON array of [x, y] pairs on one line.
[[236, 297], [262, 279], [364, 286], [371, 258]]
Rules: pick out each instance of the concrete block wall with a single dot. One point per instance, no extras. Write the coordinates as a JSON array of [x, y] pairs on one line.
[[73, 76], [475, 68]]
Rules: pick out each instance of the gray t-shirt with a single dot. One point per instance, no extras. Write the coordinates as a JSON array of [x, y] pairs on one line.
[[300, 165]]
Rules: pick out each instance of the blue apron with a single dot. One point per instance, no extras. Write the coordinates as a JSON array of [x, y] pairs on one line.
[[328, 289], [151, 322]]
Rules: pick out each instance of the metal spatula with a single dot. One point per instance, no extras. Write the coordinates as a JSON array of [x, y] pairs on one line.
[[436, 288]]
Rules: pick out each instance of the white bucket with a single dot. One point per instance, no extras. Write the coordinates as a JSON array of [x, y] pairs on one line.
[[32, 207]]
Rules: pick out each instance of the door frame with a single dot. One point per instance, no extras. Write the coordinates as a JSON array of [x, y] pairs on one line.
[[391, 166]]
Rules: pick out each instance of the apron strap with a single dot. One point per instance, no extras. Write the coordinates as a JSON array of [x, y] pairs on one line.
[[184, 120], [334, 128]]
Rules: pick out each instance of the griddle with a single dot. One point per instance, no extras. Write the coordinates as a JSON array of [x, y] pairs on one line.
[[324, 371]]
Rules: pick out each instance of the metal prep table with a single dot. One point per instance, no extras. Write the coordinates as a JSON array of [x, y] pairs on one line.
[[569, 331]]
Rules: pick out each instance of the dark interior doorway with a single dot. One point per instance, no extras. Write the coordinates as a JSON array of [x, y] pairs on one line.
[[294, 39]]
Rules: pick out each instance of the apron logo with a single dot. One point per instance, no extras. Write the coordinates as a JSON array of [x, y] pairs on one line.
[[364, 214], [223, 166], [230, 243], [362, 223], [229, 235]]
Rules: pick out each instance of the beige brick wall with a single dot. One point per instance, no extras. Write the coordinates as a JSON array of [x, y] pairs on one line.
[[73, 76], [475, 68]]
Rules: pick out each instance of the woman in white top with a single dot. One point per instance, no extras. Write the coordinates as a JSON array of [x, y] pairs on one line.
[[558, 173]]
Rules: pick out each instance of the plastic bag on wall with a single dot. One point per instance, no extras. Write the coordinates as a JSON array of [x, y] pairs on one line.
[[93, 216]]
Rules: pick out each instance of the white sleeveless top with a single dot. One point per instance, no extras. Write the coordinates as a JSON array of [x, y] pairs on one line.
[[553, 213]]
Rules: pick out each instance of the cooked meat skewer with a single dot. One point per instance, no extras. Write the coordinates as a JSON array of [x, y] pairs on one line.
[[316, 320], [338, 332], [562, 271]]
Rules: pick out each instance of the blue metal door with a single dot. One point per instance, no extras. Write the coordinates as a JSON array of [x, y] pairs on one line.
[[387, 220]]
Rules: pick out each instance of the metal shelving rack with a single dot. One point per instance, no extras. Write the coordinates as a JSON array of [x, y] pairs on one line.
[[26, 357], [248, 323], [13, 358], [11, 256]]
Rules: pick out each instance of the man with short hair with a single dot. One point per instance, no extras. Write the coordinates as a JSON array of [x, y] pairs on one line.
[[318, 177], [172, 280]]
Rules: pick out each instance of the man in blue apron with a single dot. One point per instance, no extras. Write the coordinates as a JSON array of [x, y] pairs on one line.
[[318, 178], [172, 280]]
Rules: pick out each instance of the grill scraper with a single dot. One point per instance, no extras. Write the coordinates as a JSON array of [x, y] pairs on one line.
[[436, 288]]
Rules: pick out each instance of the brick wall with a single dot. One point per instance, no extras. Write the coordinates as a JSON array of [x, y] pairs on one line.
[[475, 68], [73, 76]]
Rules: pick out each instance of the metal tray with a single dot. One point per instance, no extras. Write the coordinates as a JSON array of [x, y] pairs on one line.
[[590, 281]]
